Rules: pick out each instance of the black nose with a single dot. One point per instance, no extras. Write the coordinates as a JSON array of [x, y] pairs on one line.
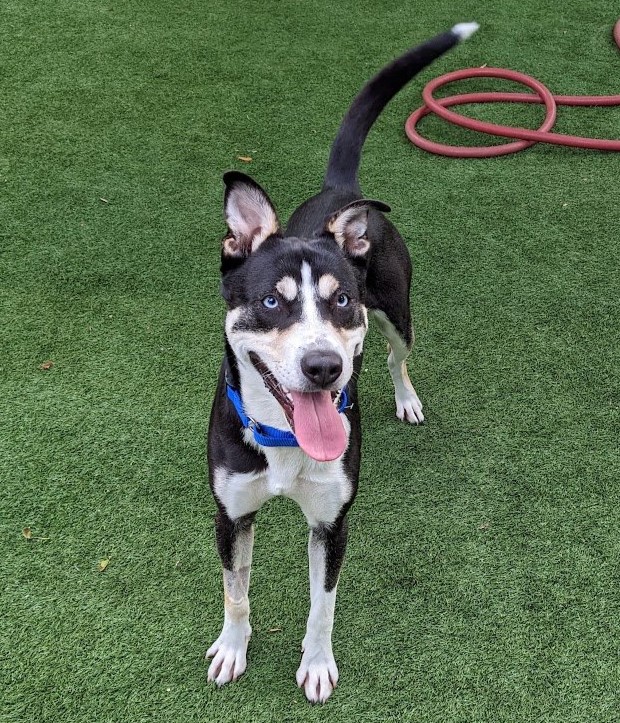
[[321, 366]]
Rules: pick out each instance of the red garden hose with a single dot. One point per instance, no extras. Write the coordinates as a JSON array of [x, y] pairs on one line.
[[527, 137]]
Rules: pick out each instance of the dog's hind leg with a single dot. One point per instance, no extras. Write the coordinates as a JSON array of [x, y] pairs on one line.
[[235, 539], [318, 673], [400, 340]]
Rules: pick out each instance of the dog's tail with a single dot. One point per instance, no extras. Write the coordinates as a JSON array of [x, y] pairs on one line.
[[346, 150]]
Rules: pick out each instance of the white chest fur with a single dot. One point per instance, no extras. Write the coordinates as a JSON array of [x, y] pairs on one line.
[[319, 488]]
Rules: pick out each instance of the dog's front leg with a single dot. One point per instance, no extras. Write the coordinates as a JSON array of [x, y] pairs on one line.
[[317, 672], [235, 540]]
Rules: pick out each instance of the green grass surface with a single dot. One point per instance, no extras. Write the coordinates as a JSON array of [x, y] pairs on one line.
[[482, 578]]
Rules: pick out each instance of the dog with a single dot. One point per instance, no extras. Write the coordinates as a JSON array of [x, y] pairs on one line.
[[285, 418]]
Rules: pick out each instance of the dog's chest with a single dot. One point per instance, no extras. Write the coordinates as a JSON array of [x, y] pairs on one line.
[[320, 489]]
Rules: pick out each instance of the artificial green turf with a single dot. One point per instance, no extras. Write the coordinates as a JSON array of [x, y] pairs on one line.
[[482, 577]]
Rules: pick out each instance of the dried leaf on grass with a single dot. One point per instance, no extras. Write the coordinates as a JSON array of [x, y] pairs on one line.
[[245, 159], [27, 533], [46, 365], [102, 565]]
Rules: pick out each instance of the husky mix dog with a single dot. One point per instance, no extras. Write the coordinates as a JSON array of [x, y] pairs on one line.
[[285, 419]]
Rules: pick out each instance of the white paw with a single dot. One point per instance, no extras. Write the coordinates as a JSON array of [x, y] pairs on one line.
[[317, 674], [229, 655], [409, 407]]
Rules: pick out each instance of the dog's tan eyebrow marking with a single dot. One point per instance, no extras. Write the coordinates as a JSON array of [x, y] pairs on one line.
[[287, 286], [327, 285]]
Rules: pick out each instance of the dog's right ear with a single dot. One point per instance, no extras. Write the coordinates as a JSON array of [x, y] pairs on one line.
[[250, 216]]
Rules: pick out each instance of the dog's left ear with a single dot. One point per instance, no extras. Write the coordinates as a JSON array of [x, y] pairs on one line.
[[350, 224], [250, 215]]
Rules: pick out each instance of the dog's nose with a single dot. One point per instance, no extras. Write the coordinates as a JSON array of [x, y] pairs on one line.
[[321, 366]]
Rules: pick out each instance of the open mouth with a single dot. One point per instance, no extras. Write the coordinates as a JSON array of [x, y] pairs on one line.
[[282, 396], [313, 416]]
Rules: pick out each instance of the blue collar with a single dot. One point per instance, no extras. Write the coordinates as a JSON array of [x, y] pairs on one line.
[[270, 436]]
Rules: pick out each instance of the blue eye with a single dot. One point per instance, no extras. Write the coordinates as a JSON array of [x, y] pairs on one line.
[[343, 300], [270, 302]]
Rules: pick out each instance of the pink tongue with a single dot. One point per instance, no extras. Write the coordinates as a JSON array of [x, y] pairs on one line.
[[318, 427]]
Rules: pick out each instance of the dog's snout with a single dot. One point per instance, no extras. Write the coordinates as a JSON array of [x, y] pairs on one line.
[[321, 366]]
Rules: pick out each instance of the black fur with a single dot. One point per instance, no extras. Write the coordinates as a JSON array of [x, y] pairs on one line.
[[226, 447], [226, 533], [376, 274], [333, 538], [248, 284], [344, 159]]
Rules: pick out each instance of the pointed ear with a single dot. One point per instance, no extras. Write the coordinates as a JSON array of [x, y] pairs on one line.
[[350, 224], [250, 215]]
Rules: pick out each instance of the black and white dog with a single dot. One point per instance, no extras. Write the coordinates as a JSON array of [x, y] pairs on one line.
[[285, 419]]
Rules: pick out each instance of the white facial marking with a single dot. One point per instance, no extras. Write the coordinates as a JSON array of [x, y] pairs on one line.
[[287, 286], [283, 349], [310, 314], [328, 285]]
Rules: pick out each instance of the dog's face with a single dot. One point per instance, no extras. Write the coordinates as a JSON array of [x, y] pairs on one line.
[[296, 311]]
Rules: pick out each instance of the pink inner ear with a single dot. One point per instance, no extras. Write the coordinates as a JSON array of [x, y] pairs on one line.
[[357, 247], [250, 216], [357, 227], [349, 228], [232, 247]]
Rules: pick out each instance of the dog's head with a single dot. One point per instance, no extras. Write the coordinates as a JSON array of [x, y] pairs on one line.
[[296, 314]]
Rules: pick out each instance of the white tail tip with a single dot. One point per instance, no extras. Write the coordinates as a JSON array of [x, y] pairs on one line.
[[465, 30]]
